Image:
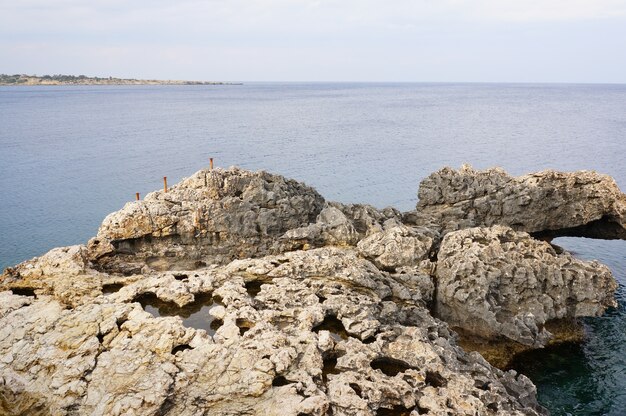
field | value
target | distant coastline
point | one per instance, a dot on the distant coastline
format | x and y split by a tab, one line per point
23	79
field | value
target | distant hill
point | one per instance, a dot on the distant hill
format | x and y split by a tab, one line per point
22	79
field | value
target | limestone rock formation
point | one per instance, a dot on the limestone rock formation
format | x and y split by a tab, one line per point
64	272
219	215
213	216
551	203
340	225
240	292
308	332
497	282
398	246
332	227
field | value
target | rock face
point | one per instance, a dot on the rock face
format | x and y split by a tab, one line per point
214	216
399	245
342	225
583	203
65	273
324	333
497	282
241	292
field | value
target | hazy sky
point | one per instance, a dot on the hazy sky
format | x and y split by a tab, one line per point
323	40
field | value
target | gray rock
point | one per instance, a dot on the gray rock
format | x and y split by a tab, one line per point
212	217
368	220
321	338
551	203
332	227
314	307
498	282
340	225
398	246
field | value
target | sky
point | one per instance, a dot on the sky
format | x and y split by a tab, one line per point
318	40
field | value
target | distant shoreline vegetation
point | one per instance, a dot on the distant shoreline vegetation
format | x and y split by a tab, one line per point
22	79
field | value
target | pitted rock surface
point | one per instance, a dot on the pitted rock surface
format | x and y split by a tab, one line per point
399	245
316	307
498	282
340	225
213	216
64	272
109	357
582	203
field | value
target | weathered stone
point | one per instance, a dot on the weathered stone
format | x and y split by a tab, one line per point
271	301
332	227
551	203
63	272
398	246
340	225
109	357
367	219
212	217
498	282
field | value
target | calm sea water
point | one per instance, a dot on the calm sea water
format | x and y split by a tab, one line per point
71	155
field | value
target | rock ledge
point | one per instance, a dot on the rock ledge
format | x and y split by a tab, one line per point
241	292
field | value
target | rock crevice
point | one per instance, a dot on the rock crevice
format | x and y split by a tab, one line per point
323	308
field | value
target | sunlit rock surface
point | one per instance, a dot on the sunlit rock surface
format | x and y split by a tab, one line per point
498	282
550	203
273	353
213	216
241	292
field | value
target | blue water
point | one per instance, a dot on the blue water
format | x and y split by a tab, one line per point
71	155
587	379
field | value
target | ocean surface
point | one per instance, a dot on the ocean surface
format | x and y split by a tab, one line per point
71	155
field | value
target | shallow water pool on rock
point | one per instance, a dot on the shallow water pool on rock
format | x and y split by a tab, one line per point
195	314
390	137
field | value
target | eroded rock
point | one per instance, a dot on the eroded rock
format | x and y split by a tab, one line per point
64	272
332	227
212	217
398	246
551	203
312	307
340	225
496	282
110	357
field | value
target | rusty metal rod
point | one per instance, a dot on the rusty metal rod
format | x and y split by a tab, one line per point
137	195
165	184
211	163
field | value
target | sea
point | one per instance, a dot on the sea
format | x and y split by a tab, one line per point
69	155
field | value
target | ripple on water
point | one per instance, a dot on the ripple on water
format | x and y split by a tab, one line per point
355	143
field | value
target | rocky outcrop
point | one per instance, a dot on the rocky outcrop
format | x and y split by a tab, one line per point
399	245
340	225
214	216
495	282
240	292
331	227
309	332
548	203
218	215
64	273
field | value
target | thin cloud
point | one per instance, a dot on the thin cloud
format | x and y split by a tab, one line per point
318	39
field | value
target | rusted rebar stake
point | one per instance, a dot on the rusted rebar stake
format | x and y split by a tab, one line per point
211	163
165	184
137	195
